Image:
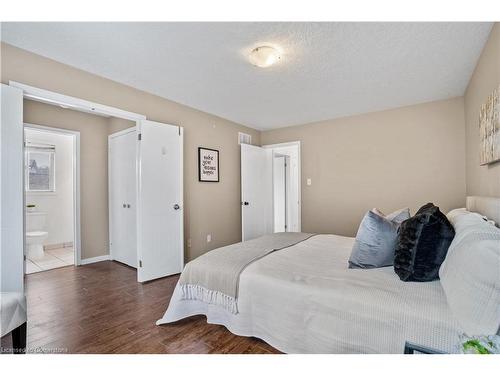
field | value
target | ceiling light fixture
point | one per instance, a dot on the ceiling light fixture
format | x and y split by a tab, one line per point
264	56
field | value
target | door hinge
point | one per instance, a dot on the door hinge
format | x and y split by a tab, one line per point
179	130
139	137
140	263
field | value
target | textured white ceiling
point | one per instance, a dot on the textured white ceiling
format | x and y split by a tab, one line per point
328	70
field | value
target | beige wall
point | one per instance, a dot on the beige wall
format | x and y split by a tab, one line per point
482	180
209	208
404	157
118	124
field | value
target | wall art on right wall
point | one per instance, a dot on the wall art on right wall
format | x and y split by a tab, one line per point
489	129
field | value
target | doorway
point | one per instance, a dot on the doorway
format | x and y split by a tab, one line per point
159	179
286	186
270	189
50	197
281	182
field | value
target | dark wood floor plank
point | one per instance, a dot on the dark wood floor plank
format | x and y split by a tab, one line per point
101	308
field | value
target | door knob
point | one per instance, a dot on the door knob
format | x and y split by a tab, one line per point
124	205
176	206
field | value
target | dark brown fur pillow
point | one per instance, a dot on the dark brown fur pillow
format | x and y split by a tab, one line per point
422	244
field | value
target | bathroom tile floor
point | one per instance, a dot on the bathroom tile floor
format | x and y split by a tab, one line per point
53	258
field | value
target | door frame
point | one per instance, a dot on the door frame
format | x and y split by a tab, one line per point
110	183
77	233
299	177
71	102
79	105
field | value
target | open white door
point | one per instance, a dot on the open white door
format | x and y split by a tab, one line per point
256	192
160	238
12	190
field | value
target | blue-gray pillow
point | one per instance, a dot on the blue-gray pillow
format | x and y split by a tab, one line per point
376	239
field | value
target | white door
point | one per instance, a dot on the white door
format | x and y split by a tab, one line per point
122	197
160	238
12	190
256	191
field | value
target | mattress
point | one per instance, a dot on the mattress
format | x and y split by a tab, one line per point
304	299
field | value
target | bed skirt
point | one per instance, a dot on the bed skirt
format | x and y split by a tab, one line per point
235	323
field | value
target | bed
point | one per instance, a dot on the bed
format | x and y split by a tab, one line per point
304	299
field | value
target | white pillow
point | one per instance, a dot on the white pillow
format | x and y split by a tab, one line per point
456	213
470	274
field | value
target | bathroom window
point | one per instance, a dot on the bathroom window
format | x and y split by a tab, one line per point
40	168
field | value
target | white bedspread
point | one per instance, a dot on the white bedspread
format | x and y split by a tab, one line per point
304	299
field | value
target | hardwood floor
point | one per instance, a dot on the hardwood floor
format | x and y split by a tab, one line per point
100	308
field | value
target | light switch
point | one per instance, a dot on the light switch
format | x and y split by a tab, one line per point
309	182
189	242
209	237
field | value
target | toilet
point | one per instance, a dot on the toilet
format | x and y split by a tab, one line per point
35	234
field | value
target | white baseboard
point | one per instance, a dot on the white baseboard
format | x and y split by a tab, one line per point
94	259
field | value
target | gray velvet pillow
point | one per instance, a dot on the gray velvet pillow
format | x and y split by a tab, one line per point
376	239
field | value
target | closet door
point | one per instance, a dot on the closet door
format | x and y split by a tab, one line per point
160	238
122	196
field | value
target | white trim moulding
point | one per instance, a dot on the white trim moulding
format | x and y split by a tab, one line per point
101	258
70	102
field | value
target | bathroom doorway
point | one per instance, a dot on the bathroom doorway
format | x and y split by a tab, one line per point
51	198
281	191
286	186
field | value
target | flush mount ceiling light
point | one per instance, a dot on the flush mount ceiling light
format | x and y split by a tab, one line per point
264	56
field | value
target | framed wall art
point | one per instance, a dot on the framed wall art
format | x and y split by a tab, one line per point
208	165
489	129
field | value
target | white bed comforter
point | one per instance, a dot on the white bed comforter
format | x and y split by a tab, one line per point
304	299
